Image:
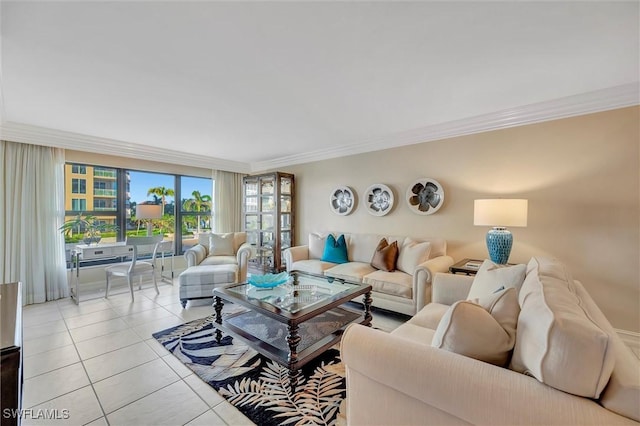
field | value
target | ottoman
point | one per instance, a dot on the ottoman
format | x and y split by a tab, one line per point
198	282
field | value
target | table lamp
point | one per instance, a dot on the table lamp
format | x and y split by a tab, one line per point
500	213
149	212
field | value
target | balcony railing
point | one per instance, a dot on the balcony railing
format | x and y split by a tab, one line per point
104	192
105	173
104	209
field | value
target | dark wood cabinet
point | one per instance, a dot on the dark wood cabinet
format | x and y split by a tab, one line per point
269	218
10	353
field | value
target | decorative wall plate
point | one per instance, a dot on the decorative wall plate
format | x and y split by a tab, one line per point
379	199
342	200
425	196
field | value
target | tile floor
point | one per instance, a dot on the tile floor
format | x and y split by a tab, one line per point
98	361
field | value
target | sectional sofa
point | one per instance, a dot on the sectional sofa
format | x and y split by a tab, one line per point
405	290
568	366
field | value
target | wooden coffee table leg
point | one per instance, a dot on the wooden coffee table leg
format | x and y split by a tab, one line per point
218	308
293	339
367	300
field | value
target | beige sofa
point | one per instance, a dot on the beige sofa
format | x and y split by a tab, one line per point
577	370
400	291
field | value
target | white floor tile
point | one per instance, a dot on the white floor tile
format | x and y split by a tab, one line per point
231	415
172	405
92	318
157	347
107	343
46	343
35	318
98	329
51	385
210	418
35	332
143	317
206	392
99	422
111	363
84	308
49	361
140	305
166	299
75	408
124	388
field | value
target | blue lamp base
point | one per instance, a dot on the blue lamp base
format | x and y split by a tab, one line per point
499	242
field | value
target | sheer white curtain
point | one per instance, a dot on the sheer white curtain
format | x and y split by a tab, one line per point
31	211
227	201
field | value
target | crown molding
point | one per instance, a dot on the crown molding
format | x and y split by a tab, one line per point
25	133
586	103
601	100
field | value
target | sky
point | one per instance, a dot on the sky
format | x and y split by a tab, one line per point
141	182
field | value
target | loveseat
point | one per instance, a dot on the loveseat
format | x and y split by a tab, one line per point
405	290
568	366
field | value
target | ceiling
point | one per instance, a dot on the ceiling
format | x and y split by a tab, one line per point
248	85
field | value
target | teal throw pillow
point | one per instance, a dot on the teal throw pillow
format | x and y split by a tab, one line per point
335	251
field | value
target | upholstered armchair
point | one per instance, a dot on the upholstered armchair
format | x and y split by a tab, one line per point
221	249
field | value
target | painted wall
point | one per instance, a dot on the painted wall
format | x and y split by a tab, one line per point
580	175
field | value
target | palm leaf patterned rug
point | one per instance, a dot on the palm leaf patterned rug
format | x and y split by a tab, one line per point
258	387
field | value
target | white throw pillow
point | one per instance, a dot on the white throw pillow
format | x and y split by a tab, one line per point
221	245
316	245
412	253
468	329
504	308
492	277
559	342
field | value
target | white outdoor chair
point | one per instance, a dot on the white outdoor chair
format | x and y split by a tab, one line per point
136	268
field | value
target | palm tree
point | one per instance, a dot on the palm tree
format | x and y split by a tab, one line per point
162	192
199	203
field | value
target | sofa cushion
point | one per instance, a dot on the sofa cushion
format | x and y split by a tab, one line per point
393	283
351	271
412	253
221	244
220	260
385	256
362	246
491	277
468	329
557	342
415	333
312	266
430	316
335	251
316	245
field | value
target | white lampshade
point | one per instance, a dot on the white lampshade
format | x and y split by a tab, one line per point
148	211
500	212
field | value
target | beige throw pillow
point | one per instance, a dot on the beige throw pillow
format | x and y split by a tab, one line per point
484	329
221	245
412	253
492	277
316	245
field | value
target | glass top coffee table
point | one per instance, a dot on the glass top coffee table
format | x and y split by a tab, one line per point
295	322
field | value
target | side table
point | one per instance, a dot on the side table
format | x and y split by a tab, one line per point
466	266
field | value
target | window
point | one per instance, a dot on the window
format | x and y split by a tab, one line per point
195	208
79	186
78	204
114	194
79	169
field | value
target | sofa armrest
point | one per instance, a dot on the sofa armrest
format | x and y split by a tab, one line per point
383	367
195	255
447	289
245	252
294	254
423	276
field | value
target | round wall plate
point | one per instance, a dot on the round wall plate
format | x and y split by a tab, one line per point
425	196
379	199
342	200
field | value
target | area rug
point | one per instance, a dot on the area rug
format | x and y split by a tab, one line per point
256	386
